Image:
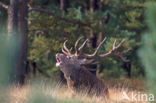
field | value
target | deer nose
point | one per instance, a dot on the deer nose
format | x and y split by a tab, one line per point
57	54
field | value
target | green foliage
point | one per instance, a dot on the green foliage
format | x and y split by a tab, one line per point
48	32
148	50
114	72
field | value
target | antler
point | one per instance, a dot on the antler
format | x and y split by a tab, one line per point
65	50
115	51
96	51
82	46
109	53
78	51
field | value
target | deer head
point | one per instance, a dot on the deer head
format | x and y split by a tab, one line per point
79	58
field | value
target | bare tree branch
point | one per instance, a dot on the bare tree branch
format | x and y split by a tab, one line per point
71	21
3	5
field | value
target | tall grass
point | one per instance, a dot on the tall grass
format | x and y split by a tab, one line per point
43	92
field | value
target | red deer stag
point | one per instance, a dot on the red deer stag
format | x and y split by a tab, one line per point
79	79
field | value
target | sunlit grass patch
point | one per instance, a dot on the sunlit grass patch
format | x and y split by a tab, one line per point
56	93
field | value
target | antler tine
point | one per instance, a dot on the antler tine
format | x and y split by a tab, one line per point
114	44
115	52
99	46
65	47
96	51
125	51
76	43
120	43
90	56
120	55
65	52
82	46
71	49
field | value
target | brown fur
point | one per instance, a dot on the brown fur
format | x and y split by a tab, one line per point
79	79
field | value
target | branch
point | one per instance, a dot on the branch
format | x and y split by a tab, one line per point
72	21
4	5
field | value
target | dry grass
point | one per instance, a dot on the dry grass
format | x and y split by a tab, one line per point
41	93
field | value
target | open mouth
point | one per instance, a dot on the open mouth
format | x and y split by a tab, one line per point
58	61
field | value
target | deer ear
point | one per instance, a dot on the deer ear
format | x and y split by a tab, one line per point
89	62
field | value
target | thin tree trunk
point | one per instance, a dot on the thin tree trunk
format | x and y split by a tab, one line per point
23	34
13	17
64	4
93	35
100	34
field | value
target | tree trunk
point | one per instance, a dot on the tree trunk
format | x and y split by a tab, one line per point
13	17
64	4
96	37
18	29
100	34
93	5
93	36
127	67
23	35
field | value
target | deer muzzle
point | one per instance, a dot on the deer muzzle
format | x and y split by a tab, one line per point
59	59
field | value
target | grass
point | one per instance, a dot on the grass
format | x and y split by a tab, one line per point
56	93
